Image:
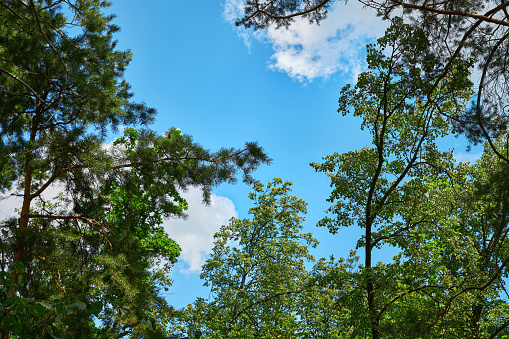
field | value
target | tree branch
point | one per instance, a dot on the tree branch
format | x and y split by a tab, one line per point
457	13
289	16
91	222
22	82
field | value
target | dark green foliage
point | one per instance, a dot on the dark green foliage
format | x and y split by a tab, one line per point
31	318
62	89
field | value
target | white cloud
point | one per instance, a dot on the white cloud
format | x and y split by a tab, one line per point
10	202
306	52
196	234
467	157
233	9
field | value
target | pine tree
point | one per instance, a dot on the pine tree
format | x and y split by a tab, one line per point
62	90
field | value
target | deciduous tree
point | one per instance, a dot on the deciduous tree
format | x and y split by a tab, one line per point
404	111
256	271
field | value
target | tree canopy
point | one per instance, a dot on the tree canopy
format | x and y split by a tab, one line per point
93	261
100	244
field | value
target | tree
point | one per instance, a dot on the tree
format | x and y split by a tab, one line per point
62	90
256	271
461	249
377	187
475	32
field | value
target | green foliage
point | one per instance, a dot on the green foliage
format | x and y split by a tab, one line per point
402	99
257	270
62	90
447	220
391	99
29	318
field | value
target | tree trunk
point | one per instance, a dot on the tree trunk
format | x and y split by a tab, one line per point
370	289
25	210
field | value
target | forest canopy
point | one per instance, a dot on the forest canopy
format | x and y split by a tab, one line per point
95	260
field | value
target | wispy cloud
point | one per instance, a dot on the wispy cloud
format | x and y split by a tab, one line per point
196	234
306	52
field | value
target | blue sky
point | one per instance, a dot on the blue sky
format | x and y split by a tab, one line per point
225	86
